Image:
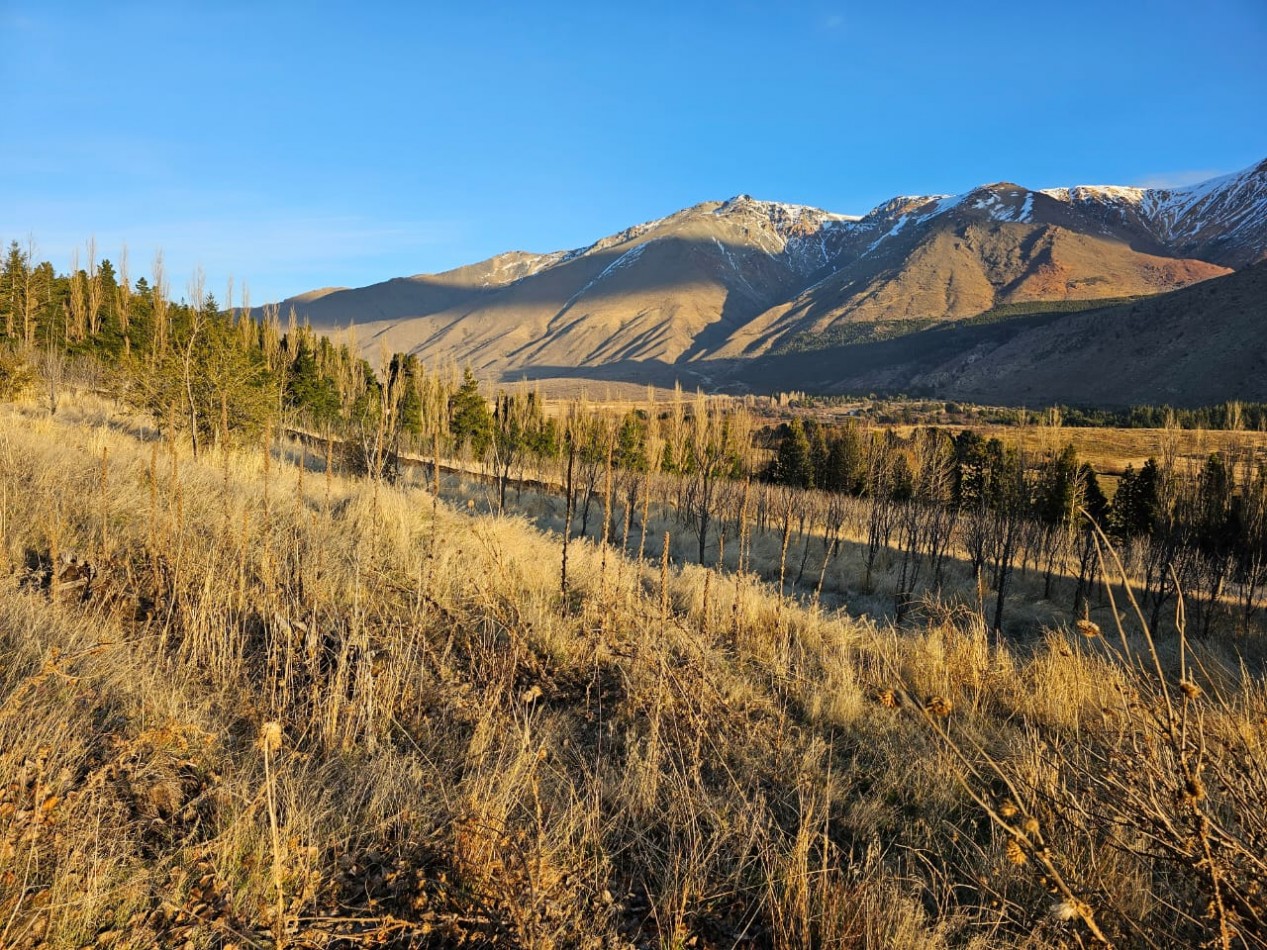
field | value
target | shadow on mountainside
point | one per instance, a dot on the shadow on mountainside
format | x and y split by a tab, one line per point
883	365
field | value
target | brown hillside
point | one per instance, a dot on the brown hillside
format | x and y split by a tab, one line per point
1200	345
1197	346
961	270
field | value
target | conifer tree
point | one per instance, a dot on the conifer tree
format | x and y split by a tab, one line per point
470	422
793	464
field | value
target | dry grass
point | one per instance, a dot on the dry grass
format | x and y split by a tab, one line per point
1109	450
288	710
616	396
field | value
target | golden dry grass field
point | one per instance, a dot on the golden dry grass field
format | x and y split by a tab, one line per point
249	703
1110	450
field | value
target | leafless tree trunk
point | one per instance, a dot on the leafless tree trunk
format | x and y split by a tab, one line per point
93	289
197	317
123	300
30	297
159	289
78	302
53	368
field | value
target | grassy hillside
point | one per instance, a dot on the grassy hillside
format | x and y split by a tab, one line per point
247	703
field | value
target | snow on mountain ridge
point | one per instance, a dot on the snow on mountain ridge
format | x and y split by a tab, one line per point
1083	193
781	210
1239	199
1219	209
1222	220
808	238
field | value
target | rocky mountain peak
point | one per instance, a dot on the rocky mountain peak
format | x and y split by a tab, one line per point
745	277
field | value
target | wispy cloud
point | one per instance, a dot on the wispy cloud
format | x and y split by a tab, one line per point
13	20
1178	179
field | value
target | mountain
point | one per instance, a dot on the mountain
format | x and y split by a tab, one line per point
1196	346
1200	345
1223	220
939	258
654	291
724	282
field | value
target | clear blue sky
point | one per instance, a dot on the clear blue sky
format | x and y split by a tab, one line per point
297	145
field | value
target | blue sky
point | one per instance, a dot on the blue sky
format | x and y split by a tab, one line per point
298	145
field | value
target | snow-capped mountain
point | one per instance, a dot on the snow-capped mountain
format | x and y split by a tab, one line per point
743	277
1223	220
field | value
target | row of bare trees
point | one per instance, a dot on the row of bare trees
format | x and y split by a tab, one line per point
911	506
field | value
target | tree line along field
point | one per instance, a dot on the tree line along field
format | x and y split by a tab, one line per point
617	689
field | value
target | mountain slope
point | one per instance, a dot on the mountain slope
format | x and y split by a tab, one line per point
654	291
743	278
948	258
1195	346
1223	220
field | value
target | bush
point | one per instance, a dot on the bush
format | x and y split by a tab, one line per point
16	375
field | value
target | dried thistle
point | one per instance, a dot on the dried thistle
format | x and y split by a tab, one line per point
1015	853
271	736
1193	790
1088	628
531	694
1190	689
1071	909
939	706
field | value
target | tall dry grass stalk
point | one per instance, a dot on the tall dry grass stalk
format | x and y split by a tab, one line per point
466	764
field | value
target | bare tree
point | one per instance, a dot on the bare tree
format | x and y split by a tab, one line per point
197	317
715	446
161	309
93	289
123	299
14	289
53	369
31	296
77	303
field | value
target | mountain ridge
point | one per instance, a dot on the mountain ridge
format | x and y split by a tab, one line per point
743	278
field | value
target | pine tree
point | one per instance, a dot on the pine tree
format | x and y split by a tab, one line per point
846	463
13	279
1093	497
308	390
1136	505
1059	493
631	444
470	422
406	377
793	465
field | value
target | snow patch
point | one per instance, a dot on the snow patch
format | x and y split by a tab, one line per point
1229	204
623	261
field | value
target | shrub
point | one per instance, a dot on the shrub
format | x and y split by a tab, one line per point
16	375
